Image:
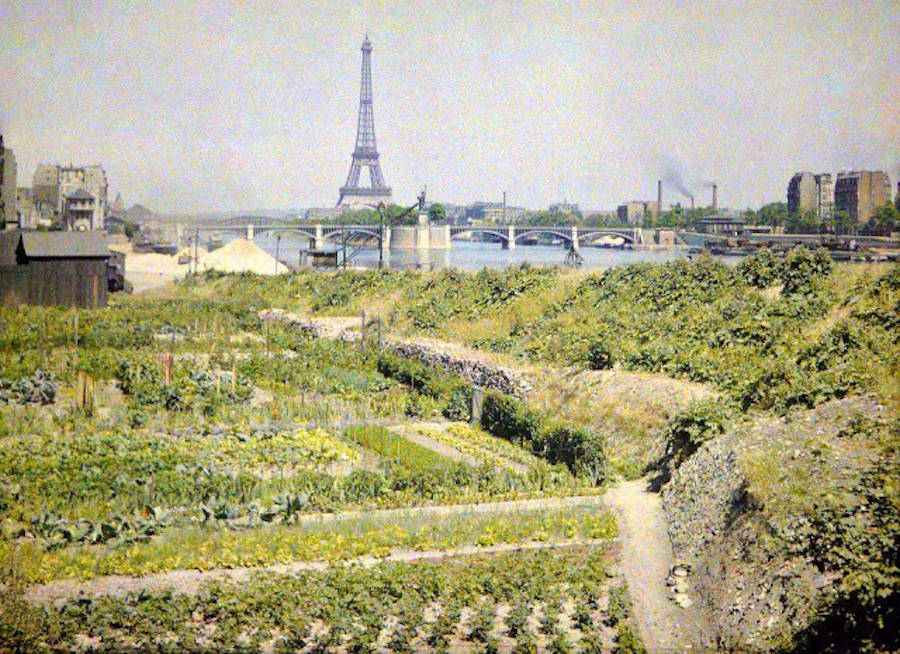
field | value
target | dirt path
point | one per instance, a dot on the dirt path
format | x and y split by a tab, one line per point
189	581
645	559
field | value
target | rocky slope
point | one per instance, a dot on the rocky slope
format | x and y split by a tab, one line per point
784	520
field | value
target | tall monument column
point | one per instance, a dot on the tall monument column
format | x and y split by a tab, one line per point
366	151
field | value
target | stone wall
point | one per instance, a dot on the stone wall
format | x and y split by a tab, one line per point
476	371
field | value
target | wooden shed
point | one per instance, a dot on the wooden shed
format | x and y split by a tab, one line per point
53	268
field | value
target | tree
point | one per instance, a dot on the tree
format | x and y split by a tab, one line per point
886	219
843	222
437	213
802	222
774	214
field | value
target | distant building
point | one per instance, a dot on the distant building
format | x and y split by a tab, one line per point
860	192
65	188
720	224
564	207
31	214
320	214
493	213
8	216
809	193
825	196
634	212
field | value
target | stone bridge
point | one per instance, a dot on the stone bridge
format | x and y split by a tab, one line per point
508	235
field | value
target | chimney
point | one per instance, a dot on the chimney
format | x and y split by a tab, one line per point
715	204
659	207
692	202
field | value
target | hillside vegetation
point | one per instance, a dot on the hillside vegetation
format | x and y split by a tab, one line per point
764	398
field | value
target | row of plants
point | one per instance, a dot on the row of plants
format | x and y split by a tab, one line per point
398	607
242	476
213	544
480	445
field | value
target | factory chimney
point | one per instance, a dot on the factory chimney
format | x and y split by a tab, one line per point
692	202
659	207
715	203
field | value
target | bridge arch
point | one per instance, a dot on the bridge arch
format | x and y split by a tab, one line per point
456	232
591	237
549	231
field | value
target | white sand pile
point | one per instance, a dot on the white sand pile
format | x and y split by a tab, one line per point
241	255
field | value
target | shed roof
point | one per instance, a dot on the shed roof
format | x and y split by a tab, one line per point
64	244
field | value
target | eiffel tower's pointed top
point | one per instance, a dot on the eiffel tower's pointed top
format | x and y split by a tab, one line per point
367	45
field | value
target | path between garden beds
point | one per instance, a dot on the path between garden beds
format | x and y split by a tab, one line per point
645	559
190	581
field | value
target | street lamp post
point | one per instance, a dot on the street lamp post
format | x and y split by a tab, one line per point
381	208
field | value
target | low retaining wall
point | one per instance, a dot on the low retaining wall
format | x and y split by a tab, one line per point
448	356
481	373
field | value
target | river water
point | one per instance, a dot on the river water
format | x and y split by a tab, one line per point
475	255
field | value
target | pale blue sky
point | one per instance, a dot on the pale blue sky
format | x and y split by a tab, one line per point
215	105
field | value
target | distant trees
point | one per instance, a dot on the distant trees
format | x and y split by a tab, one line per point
437	213
886	218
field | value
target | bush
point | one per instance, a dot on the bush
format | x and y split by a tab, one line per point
761	269
699	422
599	357
579	448
802	267
507	418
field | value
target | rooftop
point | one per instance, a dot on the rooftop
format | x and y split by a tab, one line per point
64	244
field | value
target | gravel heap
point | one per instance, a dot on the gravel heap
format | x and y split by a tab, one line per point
241	255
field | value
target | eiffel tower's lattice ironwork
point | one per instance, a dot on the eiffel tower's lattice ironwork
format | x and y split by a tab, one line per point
366	151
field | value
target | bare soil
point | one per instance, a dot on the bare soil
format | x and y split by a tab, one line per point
645	560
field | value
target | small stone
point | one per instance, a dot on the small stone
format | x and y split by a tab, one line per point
683	601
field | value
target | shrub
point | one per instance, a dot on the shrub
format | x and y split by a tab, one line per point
579	448
802	267
507	418
761	269
599	357
699	422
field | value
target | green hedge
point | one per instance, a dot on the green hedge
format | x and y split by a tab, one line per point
579	448
452	393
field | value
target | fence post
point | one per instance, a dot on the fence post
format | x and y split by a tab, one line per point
84	394
362	333
475	408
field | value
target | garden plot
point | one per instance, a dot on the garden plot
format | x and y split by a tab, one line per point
551	600
472	444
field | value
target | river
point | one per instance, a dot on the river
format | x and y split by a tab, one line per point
475	255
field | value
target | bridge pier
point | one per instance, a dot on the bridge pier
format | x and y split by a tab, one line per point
250	232
574	237
318	241
510	242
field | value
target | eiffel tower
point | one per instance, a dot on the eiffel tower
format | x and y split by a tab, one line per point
366	152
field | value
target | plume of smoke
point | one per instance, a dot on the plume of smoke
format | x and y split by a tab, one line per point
673	177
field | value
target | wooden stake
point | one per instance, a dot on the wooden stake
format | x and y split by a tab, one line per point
362	333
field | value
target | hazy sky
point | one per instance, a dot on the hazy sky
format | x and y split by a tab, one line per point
216	105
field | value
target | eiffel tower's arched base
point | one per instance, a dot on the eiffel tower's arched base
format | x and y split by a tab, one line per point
364	198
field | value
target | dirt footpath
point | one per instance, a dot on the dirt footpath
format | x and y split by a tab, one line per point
646	556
